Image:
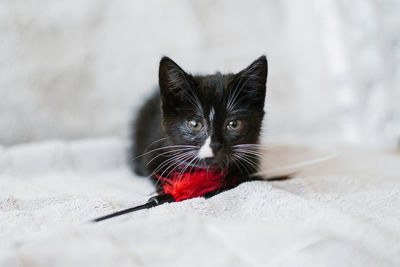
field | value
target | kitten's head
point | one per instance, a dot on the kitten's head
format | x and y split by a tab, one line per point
219	114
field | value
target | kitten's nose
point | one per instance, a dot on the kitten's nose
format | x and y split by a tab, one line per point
215	147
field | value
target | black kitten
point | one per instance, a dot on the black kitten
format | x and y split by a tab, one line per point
210	121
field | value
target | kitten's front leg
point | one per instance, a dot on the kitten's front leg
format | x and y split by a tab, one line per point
237	176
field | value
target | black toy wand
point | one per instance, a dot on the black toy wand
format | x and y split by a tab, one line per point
152	202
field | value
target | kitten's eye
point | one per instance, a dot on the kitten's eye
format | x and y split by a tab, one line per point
195	125
234	125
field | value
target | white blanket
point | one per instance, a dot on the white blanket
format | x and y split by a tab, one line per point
343	212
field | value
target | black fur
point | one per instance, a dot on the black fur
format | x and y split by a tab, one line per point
163	119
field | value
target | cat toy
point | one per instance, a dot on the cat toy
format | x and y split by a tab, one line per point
200	182
181	186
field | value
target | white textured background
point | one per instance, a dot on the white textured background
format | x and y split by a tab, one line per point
73	69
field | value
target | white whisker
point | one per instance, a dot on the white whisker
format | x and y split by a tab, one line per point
168	161
184	159
234	162
242	164
174	151
159	140
290	167
250	161
264	147
249	152
165	147
172	162
187	165
176	162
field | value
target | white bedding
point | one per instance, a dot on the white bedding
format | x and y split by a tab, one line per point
343	212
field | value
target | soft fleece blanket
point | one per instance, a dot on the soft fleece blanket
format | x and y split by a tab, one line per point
342	212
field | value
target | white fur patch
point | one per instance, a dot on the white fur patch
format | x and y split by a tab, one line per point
212	115
205	150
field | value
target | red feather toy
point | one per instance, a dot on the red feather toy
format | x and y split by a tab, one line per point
193	184
180	186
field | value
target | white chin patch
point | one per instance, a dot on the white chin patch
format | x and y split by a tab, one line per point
205	150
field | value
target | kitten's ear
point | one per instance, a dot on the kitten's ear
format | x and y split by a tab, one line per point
173	81
252	81
258	70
